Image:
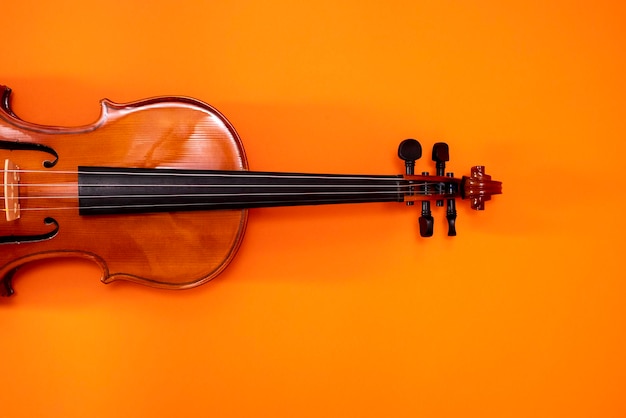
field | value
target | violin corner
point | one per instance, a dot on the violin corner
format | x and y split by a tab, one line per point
5	99
6	283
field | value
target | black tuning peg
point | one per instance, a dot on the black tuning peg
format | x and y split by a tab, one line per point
441	154
426	221
451	214
451	217
409	150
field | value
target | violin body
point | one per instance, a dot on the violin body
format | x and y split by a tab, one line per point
157	191
167	249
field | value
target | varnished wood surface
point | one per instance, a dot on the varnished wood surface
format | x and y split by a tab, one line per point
128	231
176	250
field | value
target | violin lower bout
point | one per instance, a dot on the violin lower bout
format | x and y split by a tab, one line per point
174	250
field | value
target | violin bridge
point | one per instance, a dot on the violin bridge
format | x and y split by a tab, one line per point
11	190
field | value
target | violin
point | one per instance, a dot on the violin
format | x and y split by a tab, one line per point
173	167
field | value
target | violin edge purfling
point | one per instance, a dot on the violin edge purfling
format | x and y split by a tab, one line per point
173	164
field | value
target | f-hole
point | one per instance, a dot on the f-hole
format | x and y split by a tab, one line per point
20	239
29	146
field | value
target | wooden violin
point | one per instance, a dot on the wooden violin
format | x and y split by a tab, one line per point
174	167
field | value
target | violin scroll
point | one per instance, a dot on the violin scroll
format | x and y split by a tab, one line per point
479	187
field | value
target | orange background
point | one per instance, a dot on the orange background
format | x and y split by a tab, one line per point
344	311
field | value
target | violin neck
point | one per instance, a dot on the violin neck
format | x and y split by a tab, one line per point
107	190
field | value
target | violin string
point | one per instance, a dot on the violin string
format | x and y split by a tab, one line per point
177	195
170	206
396	188
392	179
229	195
215	173
57	185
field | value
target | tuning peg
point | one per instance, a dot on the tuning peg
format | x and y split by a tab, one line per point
426	221
409	150
426	226
451	214
441	154
451	217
